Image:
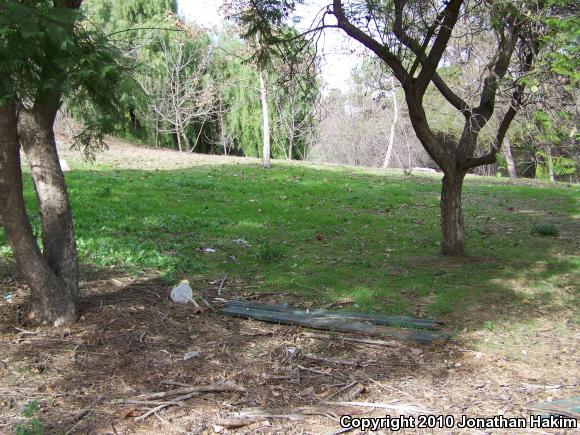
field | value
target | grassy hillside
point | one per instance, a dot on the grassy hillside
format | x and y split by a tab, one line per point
332	236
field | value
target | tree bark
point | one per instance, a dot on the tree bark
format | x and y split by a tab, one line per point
178	134
507	152
265	122
452	214
223	133
58	237
387	160
550	165
52	298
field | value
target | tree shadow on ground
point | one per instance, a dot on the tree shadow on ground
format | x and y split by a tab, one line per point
131	338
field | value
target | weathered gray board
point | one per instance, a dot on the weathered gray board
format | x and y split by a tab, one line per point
569	407
377	319
330	323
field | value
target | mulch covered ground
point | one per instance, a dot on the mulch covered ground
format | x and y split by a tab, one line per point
131	341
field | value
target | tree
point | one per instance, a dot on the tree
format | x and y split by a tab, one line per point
412	38
139	28
283	63
142	28
295	93
547	127
181	96
51	55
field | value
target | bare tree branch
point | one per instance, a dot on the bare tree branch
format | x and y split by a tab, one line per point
372	44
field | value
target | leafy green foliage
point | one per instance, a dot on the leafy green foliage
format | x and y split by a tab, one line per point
130	24
564	35
25	42
546	131
292	99
47	54
561	166
564	166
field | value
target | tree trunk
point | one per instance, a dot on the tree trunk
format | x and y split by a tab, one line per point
223	133
550	167
52	299
186	141
387	161
58	238
265	122
178	134
452	214
156	132
507	153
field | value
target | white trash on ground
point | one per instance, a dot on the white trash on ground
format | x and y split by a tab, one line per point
190	355
182	294
243	243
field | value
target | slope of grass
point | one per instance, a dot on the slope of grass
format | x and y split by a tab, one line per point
328	235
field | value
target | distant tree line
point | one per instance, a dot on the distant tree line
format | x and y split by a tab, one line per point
356	124
196	90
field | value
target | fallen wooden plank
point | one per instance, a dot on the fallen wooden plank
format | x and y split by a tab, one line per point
377	319
569	407
329	323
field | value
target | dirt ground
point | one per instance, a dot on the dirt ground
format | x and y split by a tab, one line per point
121	154
131	341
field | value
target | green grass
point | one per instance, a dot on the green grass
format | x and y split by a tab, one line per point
545	230
325	235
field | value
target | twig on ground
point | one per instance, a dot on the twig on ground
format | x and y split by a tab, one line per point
331	360
174	402
193	389
25	332
402	408
234	423
385	387
219	292
344	430
351	339
320	372
140	402
179	384
290	414
336	393
207	304
84	412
